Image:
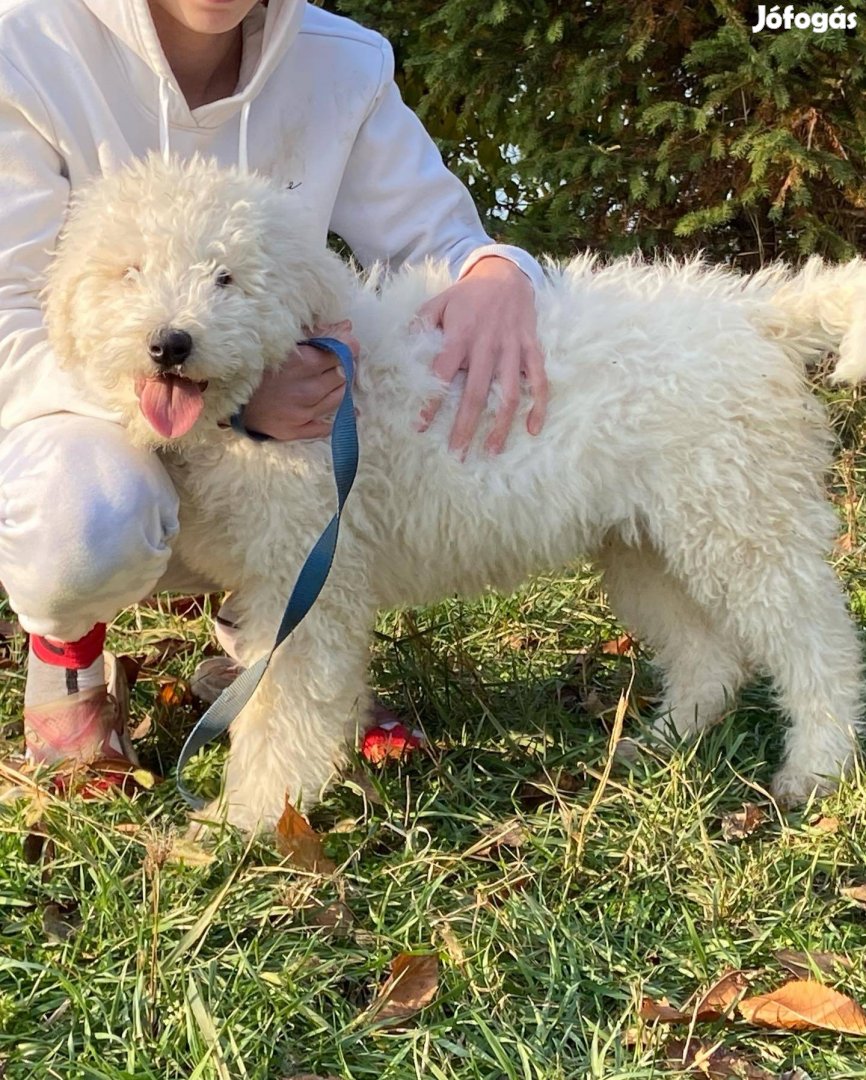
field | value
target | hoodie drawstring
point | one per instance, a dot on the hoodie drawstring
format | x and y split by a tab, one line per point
164	147
164	135
243	152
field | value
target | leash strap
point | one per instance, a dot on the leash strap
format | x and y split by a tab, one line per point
309	583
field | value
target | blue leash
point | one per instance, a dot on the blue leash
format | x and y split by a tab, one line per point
314	573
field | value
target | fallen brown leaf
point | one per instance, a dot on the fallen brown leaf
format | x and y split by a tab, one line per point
141	729
453	946
738	824
412	984
359	779
844	544
510	834
857	893
722	996
550	787
621	646
60	922
714	1062
173	693
825	824
804	1005
300	843
803	964
662	1011
713	1004
335	920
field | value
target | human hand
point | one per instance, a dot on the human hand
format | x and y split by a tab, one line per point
489	323
299	399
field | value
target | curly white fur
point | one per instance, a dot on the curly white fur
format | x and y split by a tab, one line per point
682	450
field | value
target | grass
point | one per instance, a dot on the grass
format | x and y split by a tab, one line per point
116	961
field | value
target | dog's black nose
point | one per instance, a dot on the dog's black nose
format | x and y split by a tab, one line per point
169	347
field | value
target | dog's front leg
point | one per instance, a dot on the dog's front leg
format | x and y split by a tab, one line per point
291	738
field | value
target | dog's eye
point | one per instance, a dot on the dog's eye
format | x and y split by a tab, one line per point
131	273
223	279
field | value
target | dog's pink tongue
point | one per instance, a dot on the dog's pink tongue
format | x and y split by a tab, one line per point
171	404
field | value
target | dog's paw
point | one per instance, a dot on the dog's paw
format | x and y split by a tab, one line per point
793	786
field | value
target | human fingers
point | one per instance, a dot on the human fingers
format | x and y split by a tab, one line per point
315	429
508	376
539	388
445	366
473	399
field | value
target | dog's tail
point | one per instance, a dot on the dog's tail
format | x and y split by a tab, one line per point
821	309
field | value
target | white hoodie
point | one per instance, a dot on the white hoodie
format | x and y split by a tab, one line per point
85	86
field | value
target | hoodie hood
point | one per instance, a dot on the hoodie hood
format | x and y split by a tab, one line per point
269	32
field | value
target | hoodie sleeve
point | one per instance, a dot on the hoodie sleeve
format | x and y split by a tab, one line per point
398	203
33	198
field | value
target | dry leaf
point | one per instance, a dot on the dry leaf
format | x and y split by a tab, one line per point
173	693
455	949
825	824
336	919
412	984
804	1005
722	996
802	964
60	922
844	544
857	893
713	1004
300	843
546	787
141	729
738	824
714	1062
621	646
510	834
662	1011
359	779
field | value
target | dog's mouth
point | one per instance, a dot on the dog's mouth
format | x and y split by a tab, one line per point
171	403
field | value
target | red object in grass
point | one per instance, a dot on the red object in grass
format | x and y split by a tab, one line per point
390	739
102	777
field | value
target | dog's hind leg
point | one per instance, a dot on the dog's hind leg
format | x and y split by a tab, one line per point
795	624
700	663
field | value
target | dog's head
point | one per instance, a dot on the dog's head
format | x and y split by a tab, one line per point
176	286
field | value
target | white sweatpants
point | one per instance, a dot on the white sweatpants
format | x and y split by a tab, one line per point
86	524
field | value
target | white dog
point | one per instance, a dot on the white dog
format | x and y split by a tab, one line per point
682	451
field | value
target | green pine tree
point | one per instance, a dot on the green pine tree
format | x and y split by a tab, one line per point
655	124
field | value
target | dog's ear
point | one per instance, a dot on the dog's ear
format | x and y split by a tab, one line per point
65	275
309	280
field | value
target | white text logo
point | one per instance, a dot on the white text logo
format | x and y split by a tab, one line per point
786	18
